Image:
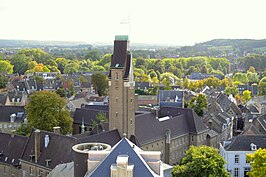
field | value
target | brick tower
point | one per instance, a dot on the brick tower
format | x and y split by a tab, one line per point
122	89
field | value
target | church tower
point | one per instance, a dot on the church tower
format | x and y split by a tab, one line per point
122	89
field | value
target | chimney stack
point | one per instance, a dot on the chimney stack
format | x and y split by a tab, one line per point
167	145
37	142
57	130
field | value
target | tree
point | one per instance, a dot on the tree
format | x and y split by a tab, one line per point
262	86
100	118
61	92
201	161
46	110
258	163
231	90
93	55
251	69
3	81
72	67
100	83
20	63
246	95
6	67
198	104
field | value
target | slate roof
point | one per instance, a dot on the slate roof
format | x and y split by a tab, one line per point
142	85
182	121
121	57
171	98
109	137
59	149
123	147
251	130
242	142
11	147
7	111
16	96
87	115
3	98
63	170
262	121
201	76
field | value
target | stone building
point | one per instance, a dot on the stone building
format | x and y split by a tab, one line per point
170	130
11	148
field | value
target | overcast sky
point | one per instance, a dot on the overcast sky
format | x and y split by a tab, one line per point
180	22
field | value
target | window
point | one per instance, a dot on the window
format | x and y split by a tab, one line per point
116	76
192	138
116	99
31	171
131	99
116	114
236	158
40	172
236	172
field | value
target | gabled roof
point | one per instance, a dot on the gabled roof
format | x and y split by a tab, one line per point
242	142
87	115
124	147
7	111
181	121
11	148
109	137
59	149
262	121
252	130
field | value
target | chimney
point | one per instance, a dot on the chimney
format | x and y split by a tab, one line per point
13	133
57	130
167	145
37	143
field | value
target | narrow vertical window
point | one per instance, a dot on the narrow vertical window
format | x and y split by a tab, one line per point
116	114
236	159
116	76
236	172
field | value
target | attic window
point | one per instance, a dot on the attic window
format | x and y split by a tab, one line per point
32	158
117	65
47	162
6	159
253	147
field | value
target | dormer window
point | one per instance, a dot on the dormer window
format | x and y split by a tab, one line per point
116	76
253	147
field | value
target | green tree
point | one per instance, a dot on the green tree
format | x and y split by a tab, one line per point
231	90
20	62
262	86
93	55
3	81
246	95
100	83
198	103
46	110
201	161
72	67
61	92
6	67
258	163
251	69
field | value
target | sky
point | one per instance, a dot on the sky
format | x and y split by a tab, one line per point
173	22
